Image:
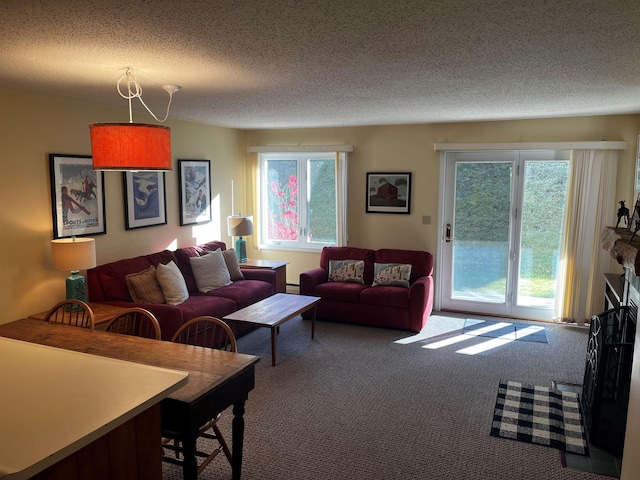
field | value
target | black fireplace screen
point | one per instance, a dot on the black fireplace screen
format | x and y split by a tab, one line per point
607	379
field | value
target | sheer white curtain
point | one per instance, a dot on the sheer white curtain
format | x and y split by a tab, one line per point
591	207
341	195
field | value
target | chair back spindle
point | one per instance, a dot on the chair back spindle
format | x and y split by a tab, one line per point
207	331
71	312
136	321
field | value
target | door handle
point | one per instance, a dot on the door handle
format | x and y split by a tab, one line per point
447	235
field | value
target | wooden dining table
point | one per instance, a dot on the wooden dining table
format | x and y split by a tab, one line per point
217	379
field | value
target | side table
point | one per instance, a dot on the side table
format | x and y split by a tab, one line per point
279	267
102	313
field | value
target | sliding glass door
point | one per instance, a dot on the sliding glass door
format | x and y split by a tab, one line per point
503	228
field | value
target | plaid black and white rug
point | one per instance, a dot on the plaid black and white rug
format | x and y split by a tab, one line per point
541	415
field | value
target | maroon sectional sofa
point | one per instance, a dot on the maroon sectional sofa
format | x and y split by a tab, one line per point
107	284
383	306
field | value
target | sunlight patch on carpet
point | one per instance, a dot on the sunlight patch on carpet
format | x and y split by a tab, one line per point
436	326
465	336
515	331
501	333
501	340
442	331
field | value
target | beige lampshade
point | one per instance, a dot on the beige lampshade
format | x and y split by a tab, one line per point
71	254
240	225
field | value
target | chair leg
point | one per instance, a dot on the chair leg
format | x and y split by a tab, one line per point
223	443
205	432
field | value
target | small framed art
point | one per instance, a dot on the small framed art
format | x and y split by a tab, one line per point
77	196
388	192
145	201
194	177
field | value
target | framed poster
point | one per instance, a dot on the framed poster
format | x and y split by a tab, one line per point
388	192
194	177
145	201
77	196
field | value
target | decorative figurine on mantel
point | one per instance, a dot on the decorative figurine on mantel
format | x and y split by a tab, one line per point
623	212
634	222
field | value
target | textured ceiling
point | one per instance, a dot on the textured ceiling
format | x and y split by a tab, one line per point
299	63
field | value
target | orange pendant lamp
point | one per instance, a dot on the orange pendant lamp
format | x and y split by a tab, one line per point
132	146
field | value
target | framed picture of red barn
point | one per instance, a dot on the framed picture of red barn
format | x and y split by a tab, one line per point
388	192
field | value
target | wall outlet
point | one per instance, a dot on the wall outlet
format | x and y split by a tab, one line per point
426	219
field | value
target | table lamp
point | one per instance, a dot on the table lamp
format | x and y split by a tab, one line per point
74	254
239	226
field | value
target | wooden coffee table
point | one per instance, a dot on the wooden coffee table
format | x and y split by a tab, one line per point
274	311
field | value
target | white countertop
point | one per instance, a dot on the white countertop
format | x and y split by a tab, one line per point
54	402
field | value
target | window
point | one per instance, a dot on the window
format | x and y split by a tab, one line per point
302	200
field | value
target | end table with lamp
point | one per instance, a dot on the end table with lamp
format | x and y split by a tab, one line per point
239	226
74	254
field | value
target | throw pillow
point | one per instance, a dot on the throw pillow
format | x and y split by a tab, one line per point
170	278
210	271
233	266
144	287
346	271
393	274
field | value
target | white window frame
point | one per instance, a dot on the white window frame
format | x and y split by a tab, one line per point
307	152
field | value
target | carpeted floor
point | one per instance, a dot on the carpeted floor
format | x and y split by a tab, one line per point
363	403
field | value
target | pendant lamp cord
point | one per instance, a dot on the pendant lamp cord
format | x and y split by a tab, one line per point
136	92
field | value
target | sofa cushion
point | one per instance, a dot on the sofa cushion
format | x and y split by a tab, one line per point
231	259
340	291
113	287
385	296
213	245
392	274
210	271
183	255
206	304
421	261
144	286
182	260
172	283
109	279
244	292
346	271
350	253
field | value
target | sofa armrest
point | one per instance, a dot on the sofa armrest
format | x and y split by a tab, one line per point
169	316
263	274
420	302
311	278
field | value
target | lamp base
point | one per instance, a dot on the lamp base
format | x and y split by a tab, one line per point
77	287
241	250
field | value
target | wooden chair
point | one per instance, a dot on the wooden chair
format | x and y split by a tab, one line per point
209	332
206	331
71	312
135	321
